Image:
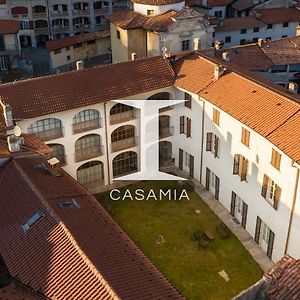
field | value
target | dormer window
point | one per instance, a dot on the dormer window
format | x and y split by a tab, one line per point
32	220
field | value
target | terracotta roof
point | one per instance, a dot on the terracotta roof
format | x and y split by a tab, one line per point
231	24
157	2
127	19
279	15
72	40
14	292
73	252
210	3
284	280
161	23
9	26
31	98
242	4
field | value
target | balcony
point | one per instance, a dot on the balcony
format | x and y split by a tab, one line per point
123	144
43	30
122	117
166	132
40	15
20	16
60	29
59	14
82	27
88	153
80	12
101	11
167	108
51	134
86	126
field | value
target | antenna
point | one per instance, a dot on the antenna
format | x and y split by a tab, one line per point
17	131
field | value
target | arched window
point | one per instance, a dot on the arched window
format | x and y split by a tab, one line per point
47	129
41	24
87	147
165	153
121	113
19	10
58	151
91	173
125	163
160	96
123	137
86	120
164	126
39	9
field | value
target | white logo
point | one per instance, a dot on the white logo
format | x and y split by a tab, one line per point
149	139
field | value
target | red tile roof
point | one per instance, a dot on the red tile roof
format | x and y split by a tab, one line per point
9	26
127	19
210	3
72	40
31	98
242	4
15	292
279	15
70	253
157	2
231	24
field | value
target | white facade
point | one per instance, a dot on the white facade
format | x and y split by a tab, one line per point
157	9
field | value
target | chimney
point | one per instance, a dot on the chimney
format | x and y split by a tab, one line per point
53	167
218	45
298	30
226	56
79	65
219	71
14	143
7	111
260	42
293	88
197	44
133	56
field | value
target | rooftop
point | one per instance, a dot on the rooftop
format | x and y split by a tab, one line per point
210	3
279	15
9	26
157	2
69	252
231	24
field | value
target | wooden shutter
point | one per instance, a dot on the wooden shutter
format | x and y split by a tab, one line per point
216	116
270	244
181	125
245	137
192	166
236	164
207	179
276	158
209	141
233	202
257	230
244	214
244	169
265	186
217	188
216	146
188	98
277	196
180	159
188	129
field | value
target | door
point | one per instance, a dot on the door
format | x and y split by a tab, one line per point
191	166
207	179
264	236
180	159
217	187
239	209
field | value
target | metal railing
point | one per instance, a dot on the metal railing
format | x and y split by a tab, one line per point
87	125
123	144
51	134
77	12
60	28
88	153
43	30
122	117
41	15
166	132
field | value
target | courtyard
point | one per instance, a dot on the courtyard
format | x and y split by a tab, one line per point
164	230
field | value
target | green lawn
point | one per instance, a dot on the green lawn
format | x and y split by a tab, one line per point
191	269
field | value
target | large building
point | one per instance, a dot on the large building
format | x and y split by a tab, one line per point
237	134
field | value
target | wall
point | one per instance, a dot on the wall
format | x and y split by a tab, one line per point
119	47
137	43
158	9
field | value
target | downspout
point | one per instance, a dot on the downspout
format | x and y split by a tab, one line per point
202	141
106	138
292	211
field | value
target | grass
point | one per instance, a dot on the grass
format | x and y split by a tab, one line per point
191	269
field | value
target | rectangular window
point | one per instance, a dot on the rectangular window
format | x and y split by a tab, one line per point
228	39
188	127
242	42
212	144
57	51
245	137
219	14
118	35
185	126
187	159
188	100
150	12
216	116
275	160
269	26
256	29
68	57
185	45
285	24
255	40
243	31
240	166
270	191
181	125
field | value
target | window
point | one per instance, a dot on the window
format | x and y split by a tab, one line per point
212	143
91	42
87	147
219	14
264	236
185	126
46	129
118	35
216	117
58	151
285	24
78	45
55	7
240	166
72	203
242	41
245	137
121	112
68	48
256	29
269	38
69	57
294	68
275	160
125	163
255	40
270	191
243	31
185	45
150	12
228	39
269	26
90	173
122	133
57	51
32	220
86	120
186	159
188	100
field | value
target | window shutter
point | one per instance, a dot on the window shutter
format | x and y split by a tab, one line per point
188	98
270	244
276	158
207	179
191	166
257	230
188	130
244	214
180	159
277	196
181	124
217	188
232	205
209	141
216	146
236	164
265	186
244	169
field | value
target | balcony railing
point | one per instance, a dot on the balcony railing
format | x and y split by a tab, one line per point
59	29
83	12
57	14
17	16
82	26
41	15
123	144
122	117
88	153
43	30
166	132
87	125
51	134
